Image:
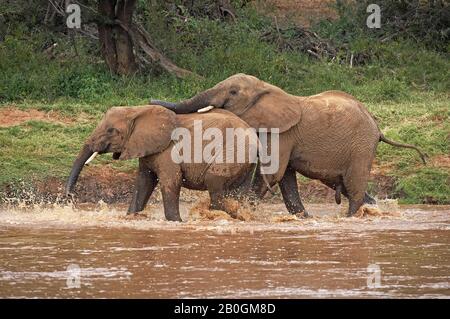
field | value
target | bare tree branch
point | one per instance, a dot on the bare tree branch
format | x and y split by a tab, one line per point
142	38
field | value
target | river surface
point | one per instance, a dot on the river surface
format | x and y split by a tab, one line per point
67	252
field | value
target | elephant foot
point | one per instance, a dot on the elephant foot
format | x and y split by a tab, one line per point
173	217
354	207
302	214
135	216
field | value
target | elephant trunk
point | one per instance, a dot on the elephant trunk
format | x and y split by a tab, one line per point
201	100
77	166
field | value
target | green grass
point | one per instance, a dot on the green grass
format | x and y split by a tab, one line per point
430	184
404	85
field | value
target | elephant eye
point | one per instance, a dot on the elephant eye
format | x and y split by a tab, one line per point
233	92
110	130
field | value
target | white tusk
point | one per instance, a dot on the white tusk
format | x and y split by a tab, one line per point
90	159
205	109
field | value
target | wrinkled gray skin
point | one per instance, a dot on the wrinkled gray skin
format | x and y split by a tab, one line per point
329	136
145	133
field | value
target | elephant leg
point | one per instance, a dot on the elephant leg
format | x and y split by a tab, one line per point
170	179
171	200
221	195
258	187
355	182
289	191
221	201
215	186
216	201
284	154
145	184
369	199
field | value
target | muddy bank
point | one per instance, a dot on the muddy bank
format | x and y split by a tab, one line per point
11	116
104	183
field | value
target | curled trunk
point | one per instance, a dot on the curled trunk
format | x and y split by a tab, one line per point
191	105
77	166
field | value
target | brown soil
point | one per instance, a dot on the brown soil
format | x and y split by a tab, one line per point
301	12
442	161
11	116
96	183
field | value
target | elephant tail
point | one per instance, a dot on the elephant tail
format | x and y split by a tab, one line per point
423	156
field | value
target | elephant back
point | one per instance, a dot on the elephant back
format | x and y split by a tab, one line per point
225	123
216	118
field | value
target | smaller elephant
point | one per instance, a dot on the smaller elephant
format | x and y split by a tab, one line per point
146	133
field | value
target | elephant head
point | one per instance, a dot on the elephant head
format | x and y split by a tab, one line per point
260	104
127	132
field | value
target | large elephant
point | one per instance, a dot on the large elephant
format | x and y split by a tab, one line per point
147	133
329	136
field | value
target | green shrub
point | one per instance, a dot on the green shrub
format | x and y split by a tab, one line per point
423	22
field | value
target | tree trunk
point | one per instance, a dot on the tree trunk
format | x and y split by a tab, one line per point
116	45
118	37
106	33
126	63
141	39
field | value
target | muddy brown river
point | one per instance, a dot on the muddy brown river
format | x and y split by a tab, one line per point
68	252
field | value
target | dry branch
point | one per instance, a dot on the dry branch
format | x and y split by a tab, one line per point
106	20
141	38
299	39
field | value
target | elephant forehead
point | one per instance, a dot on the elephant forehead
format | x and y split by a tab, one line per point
119	112
241	78
127	111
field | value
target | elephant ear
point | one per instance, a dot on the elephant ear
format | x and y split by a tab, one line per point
272	108
148	132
